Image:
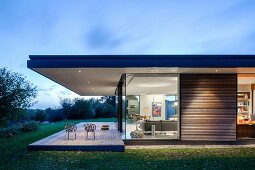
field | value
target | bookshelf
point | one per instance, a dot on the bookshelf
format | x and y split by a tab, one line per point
243	105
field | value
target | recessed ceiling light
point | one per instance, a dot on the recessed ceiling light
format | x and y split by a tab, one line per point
79	71
216	70
92	88
88	82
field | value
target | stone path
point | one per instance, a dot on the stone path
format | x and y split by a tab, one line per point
186	146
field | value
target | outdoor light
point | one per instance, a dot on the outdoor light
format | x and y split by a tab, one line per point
88	82
79	71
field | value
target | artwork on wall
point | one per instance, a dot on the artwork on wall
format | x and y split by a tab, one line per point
132	109
156	109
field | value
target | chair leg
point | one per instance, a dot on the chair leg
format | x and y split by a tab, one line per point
74	134
68	135
94	135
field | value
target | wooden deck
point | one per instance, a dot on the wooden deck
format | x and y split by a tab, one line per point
106	140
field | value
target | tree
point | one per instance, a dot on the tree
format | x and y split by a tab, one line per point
109	106
16	94
83	109
109	99
54	114
40	115
67	107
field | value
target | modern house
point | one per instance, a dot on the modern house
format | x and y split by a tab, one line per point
165	97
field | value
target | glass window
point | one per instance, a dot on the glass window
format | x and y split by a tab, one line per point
245	99
152	106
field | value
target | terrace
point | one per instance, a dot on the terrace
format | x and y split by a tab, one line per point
105	140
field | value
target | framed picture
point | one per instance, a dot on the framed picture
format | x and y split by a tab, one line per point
156	109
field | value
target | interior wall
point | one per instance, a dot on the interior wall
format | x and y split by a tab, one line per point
244	87
135	109
146	105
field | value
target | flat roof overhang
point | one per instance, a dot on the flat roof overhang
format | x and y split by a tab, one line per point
96	75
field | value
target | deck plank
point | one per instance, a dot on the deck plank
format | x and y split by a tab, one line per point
106	140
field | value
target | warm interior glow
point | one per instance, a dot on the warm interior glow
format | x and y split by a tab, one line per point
245	99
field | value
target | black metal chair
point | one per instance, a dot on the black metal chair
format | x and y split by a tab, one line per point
69	127
89	127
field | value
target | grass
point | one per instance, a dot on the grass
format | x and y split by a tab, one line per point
13	155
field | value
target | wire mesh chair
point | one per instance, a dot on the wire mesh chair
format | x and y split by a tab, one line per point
89	127
69	127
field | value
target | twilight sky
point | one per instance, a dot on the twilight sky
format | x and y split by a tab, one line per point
119	27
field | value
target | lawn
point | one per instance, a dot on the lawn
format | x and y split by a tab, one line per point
13	155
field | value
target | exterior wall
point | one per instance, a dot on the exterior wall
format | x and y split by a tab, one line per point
208	107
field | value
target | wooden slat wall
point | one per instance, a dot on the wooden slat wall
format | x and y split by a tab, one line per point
208	107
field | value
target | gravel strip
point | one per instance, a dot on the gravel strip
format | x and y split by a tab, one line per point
185	146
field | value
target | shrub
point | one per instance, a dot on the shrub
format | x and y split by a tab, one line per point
10	131
30	126
16	129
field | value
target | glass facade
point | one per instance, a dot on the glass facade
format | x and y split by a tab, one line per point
150	106
245	99
246	106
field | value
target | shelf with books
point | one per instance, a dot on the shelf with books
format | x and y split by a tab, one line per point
243	107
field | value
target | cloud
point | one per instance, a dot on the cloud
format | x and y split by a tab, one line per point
54	86
66	93
99	37
45	89
46	94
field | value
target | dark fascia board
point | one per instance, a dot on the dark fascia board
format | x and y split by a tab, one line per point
122	61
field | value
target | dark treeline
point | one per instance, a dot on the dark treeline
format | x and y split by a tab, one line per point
77	108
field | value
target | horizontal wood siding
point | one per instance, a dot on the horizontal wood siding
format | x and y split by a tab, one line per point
246	131
208	107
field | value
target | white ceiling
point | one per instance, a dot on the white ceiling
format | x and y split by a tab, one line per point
152	85
246	80
103	81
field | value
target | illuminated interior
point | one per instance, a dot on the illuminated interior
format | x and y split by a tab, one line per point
246	99
151	102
